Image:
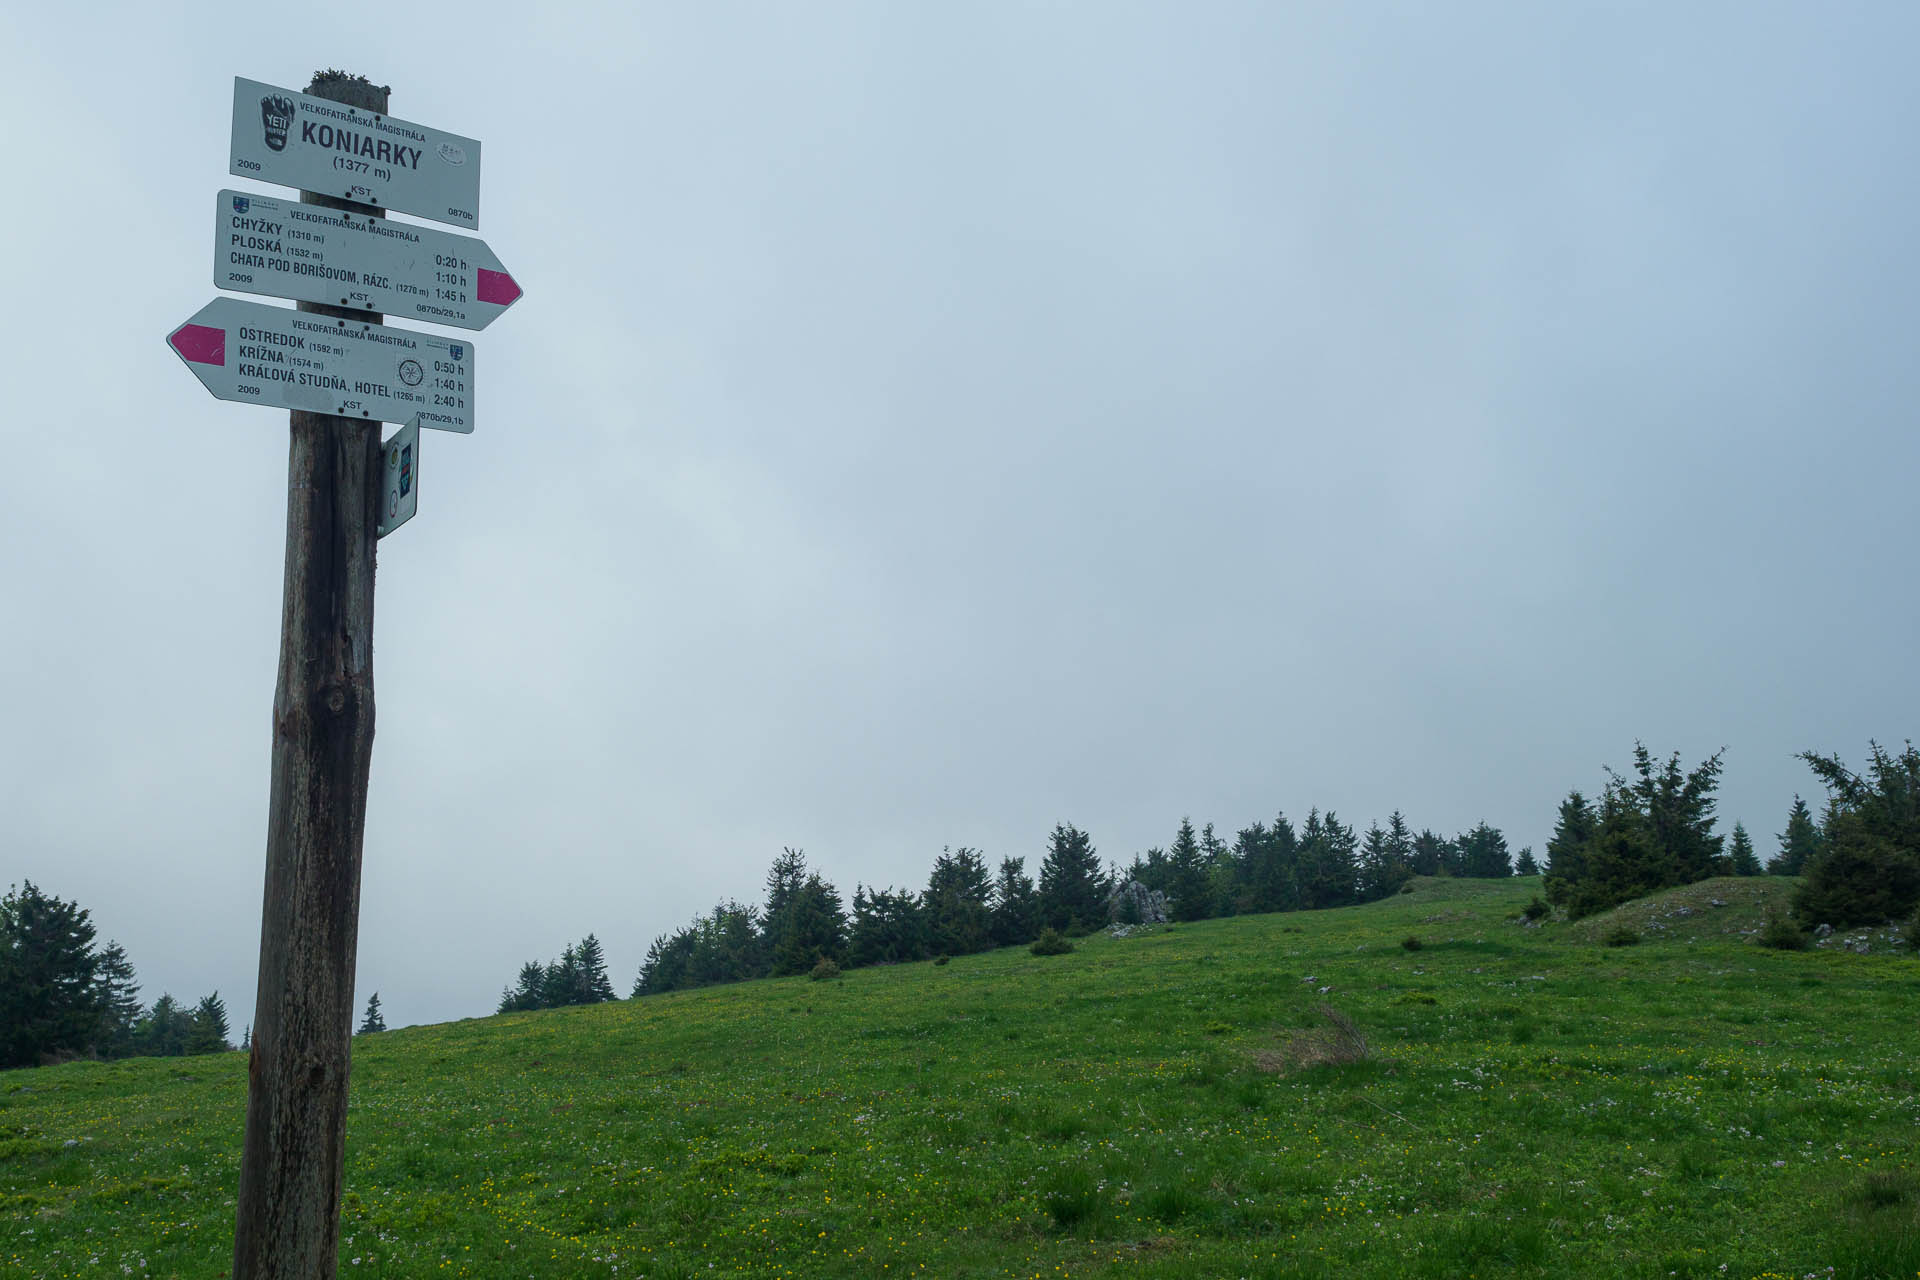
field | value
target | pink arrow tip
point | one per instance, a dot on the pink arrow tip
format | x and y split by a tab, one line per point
496	286
199	343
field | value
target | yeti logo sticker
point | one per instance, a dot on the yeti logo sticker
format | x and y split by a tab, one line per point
276	118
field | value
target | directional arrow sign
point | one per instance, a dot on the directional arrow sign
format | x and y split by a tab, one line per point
399	478
257	354
302	141
285	249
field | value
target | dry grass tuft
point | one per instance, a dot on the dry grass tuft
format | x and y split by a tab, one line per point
1338	1043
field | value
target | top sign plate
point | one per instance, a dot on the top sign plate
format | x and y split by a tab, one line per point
317	145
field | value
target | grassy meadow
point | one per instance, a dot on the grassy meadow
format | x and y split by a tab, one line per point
1175	1103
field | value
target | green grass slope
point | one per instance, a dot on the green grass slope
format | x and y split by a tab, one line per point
1732	908
1173	1104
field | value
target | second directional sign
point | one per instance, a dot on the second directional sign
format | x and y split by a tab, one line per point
285	249
257	354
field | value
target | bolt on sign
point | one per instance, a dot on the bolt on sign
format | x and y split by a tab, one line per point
336	150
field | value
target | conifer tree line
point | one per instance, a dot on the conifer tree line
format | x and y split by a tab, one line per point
1654	829
969	905
63	997
579	976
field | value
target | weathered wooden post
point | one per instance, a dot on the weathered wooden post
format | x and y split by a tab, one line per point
342	373
291	1167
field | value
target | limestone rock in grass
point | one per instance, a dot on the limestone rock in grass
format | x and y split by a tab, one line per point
1133	903
1823	931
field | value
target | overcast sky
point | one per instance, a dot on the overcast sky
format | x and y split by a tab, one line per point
926	424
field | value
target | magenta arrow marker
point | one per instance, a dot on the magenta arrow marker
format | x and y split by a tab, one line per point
495	287
199	343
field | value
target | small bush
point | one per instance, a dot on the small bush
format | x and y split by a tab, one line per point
1622	936
824	970
941	959
1411	943
1537	908
1782	934
1050	943
1407	887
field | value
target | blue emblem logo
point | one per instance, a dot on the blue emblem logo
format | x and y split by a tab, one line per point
456	351
241	204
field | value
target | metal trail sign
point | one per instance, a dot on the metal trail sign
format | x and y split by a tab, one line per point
257	354
285	249
354	154
399	478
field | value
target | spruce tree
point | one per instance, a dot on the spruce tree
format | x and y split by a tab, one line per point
1329	863
1799	843
958	903
1740	853
887	926
1190	891
1482	853
1623	860
207	1027
529	991
665	968
1430	854
1567	847
1654	831
1399	840
1524	863
373	1022
591	981
1868	869
1073	885
51	1001
1016	905
560	981
784	881
1219	863
1248	846
162	1032
815	928
1276	885
119	1002
1678	807
1382	871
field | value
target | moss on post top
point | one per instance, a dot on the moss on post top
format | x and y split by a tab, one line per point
349	90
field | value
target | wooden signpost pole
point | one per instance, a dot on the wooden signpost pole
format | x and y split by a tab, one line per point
294	1157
